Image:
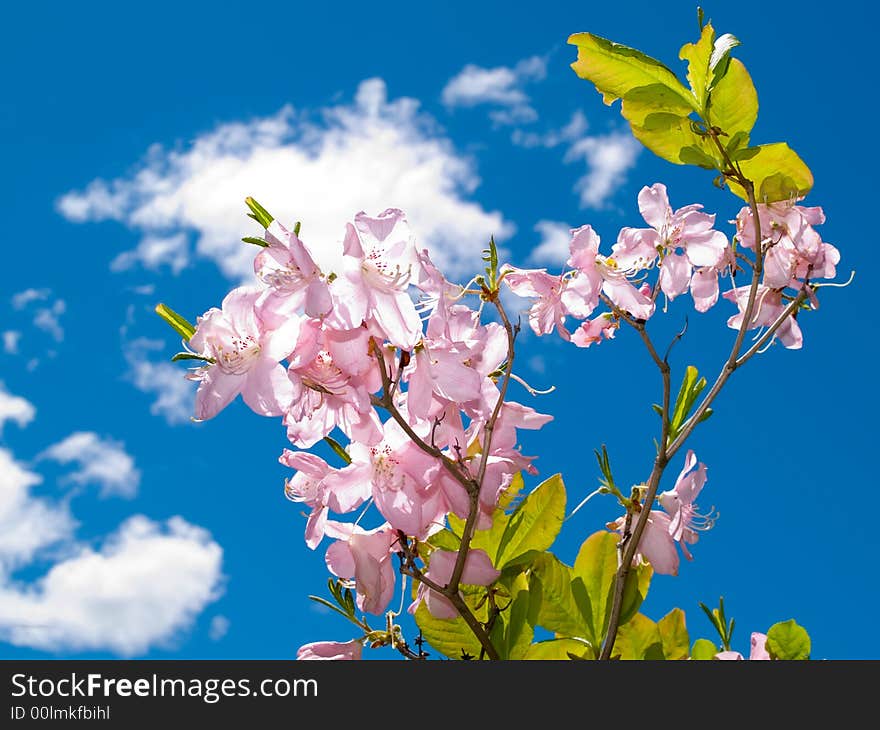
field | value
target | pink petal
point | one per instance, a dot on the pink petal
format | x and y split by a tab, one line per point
216	391
267	389
654	205
675	275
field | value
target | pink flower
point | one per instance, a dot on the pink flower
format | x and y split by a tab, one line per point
326	650
767	309
244	358
307	486
478	571
364	555
685	241
794	249
679	523
332	376
758	650
400	477
593	331
557	296
286	266
597	271
380	262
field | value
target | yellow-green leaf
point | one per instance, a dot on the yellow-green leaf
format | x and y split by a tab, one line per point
534	524
638	581
698	56
617	70
733	103
674	635
788	640
552	603
777	172
176	321
703	650
667	135
560	649
638	639
512	634
593	581
451	637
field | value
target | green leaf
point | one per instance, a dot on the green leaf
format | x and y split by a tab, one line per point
255	241
553	606
258	212
617	70
788	640
638	580
560	649
534	524
733	103
190	356
667	135
698	56
691	387
487	540
638	639
512	634
445	540
177	322
703	650
593	582
337	449
674	635
450	637
777	172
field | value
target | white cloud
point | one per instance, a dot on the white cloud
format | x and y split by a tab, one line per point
152	252
609	157
571	132
147	583
175	395
11	339
48	319
23	298
553	248
219	628
320	168
100	461
15	408
501	86
27	524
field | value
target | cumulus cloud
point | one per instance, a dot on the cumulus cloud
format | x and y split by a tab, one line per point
144	585
553	248
27	523
174	394
501	87
141	588
100	461
14	408
608	157
320	168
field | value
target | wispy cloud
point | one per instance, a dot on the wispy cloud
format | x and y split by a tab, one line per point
175	396
219	628
21	299
100	461
11	338
608	157
553	247
501	87
320	167
48	319
153	252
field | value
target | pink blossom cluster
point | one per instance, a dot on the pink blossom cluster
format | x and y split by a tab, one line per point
385	335
690	256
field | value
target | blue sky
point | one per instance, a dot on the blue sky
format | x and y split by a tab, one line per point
130	136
